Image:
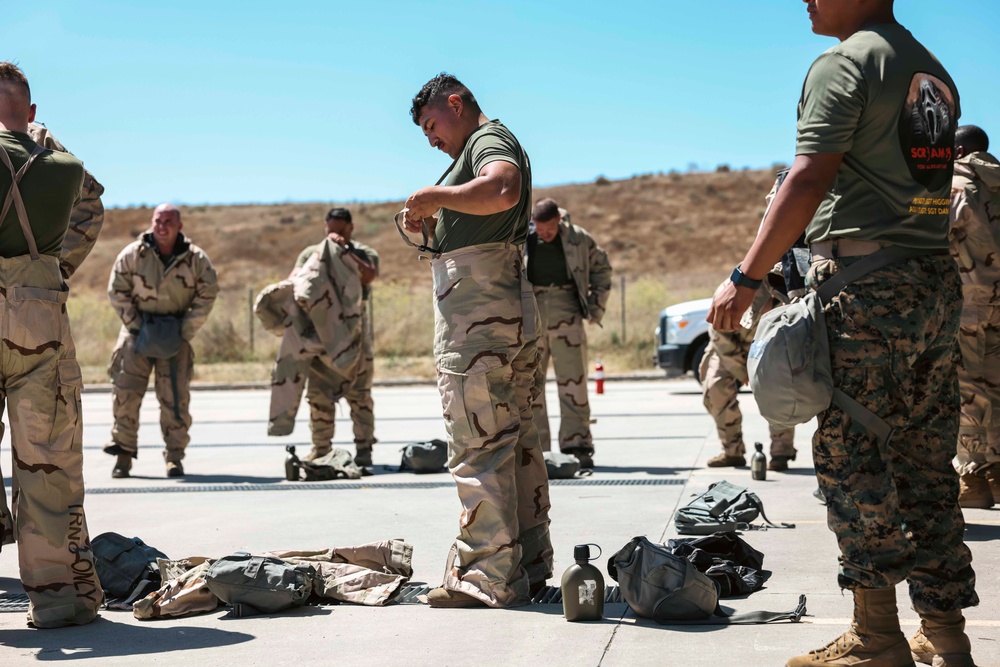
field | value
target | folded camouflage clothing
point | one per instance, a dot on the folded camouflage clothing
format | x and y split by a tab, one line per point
370	574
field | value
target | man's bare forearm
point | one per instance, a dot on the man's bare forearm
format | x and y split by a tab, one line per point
793	208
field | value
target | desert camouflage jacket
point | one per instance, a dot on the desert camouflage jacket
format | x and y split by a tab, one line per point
140	283
975	227
588	266
320	307
88	216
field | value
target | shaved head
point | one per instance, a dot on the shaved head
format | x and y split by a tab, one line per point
167	208
971	139
16	109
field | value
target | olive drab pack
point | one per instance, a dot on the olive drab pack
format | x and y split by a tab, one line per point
126	566
259	584
669	589
789	361
424	457
562	466
159	336
724	506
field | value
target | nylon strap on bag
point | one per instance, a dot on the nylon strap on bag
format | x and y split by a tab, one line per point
834	286
719	617
14	196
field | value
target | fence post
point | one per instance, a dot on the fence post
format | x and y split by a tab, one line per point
250	316
624	340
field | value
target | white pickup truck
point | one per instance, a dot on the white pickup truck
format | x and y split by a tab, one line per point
682	337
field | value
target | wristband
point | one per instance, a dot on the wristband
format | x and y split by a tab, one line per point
740	279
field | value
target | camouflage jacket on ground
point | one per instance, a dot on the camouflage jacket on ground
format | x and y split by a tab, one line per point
88	216
588	266
975	227
320	306
140	283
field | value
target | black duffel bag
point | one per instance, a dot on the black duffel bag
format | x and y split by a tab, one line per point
669	589
126	566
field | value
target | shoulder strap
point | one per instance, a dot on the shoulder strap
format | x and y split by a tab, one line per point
14	196
864	266
719	617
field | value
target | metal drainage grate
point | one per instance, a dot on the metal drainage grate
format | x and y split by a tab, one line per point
344	486
14	602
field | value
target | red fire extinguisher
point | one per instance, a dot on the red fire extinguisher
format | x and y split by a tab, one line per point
599	376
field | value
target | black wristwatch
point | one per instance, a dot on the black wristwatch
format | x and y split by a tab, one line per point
740	279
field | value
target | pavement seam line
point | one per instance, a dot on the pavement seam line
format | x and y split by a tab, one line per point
614	633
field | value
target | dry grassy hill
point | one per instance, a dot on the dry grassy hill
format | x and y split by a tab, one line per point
673	236
649	224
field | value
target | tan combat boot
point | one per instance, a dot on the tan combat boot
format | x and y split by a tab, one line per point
873	640
941	640
993	477
316	453
974	492
723	460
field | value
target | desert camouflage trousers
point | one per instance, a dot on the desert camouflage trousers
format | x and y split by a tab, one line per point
894	506
723	370
563	339
129	373
485	324
979	385
40	382
325	388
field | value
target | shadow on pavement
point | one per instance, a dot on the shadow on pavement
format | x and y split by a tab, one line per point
105	638
809	472
228	479
975	532
645	469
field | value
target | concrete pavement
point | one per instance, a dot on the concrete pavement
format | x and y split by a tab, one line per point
652	438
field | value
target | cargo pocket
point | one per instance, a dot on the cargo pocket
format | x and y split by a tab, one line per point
66	432
34	322
479	406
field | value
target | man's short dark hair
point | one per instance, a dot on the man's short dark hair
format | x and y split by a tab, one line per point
545	210
11	73
338	213
440	88
972	139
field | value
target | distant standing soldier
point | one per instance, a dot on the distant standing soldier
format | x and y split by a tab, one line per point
975	245
321	395
723	370
166	285
485	326
571	276
88	216
40	378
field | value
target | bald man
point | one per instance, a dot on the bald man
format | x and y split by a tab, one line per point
163	287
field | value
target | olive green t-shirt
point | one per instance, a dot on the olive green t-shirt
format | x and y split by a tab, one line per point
50	188
886	102
548	262
365	252
491	142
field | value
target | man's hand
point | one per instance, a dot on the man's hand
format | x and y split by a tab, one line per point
423	203
728	306
367	269
338	239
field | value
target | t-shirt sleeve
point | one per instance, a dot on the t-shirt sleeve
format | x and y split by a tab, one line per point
492	147
833	98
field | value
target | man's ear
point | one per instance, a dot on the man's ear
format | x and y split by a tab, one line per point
456	104
31	113
959	152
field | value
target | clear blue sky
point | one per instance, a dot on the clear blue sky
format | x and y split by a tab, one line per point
223	102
